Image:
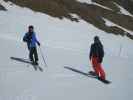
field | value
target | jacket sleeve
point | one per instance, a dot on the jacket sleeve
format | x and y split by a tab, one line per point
101	55
36	40
102	51
90	52
25	38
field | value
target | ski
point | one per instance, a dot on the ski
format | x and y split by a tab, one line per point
102	80
88	75
22	60
37	67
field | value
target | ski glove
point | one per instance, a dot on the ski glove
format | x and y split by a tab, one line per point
38	43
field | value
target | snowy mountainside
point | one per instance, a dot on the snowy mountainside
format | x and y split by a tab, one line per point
52	31
91	11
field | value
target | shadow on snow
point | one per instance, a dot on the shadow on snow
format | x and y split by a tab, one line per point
22	60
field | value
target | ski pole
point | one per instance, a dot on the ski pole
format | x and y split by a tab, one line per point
43	56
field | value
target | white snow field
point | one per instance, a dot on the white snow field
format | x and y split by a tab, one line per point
64	43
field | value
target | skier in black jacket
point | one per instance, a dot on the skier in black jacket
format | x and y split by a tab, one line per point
96	57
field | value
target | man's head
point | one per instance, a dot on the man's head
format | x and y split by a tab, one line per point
31	29
96	39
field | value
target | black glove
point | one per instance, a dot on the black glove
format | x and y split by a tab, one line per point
38	43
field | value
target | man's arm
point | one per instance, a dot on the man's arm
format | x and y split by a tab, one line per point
25	38
36	40
90	52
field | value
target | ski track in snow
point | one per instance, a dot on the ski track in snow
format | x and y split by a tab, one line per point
64	43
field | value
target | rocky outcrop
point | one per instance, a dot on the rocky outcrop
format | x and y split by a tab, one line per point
2	8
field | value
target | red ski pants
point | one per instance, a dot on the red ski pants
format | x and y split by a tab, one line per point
98	68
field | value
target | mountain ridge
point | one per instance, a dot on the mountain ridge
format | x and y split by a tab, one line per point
90	13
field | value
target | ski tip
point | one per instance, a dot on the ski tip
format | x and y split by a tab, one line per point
104	81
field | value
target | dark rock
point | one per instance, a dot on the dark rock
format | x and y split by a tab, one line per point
2	8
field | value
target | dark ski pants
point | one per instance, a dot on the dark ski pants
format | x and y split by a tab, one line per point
33	54
28	45
98	68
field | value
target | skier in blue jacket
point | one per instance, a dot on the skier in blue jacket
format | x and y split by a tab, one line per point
31	40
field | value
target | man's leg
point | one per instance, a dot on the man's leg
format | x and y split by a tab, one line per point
95	65
31	54
28	45
36	55
102	73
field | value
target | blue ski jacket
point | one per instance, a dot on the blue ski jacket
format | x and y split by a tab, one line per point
31	39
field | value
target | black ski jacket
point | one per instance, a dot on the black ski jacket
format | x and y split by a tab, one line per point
97	51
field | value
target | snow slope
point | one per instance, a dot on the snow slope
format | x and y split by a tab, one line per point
64	43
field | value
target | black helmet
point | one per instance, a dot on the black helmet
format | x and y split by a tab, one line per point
96	39
31	26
